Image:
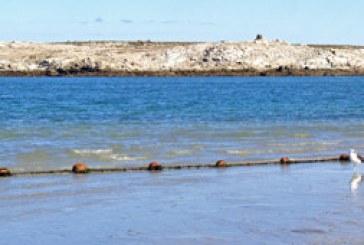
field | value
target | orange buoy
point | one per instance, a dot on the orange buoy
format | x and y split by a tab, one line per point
285	160
154	166
344	157
79	168
4	172
220	164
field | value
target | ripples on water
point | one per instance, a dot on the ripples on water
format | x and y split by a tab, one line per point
305	204
53	122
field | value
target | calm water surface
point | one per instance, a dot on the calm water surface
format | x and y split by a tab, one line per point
54	122
305	204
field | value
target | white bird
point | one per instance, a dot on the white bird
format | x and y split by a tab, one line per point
354	158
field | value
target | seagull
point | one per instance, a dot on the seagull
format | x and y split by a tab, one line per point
354	158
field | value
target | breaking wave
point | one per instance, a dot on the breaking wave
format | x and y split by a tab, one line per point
104	155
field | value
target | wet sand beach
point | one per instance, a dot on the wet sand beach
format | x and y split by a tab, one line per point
302	204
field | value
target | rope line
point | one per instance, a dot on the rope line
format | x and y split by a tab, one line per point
80	168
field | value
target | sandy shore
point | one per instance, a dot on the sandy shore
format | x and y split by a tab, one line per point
143	58
303	205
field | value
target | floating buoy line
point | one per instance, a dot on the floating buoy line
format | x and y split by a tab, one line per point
82	168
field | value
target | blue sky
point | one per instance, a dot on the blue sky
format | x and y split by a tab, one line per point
305	21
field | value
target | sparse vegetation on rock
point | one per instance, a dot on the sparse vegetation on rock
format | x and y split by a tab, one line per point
259	57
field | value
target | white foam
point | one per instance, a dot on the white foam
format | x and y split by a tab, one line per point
105	154
247	152
180	152
93	151
119	157
303	144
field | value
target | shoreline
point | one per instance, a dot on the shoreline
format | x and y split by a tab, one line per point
182	73
216	206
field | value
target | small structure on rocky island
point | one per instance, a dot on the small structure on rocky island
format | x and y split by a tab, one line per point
259	37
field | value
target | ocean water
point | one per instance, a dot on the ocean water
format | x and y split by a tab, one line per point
304	204
48	123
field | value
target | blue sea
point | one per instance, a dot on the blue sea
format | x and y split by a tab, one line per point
51	123
48	123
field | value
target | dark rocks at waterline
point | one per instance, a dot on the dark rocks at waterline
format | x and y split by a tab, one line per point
280	71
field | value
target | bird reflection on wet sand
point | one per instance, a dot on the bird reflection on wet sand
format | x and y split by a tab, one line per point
356	182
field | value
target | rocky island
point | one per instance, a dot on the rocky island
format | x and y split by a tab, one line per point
260	57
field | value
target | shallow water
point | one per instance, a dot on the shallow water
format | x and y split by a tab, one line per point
302	204
53	122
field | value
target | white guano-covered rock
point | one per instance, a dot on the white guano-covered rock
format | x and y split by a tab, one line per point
261	55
